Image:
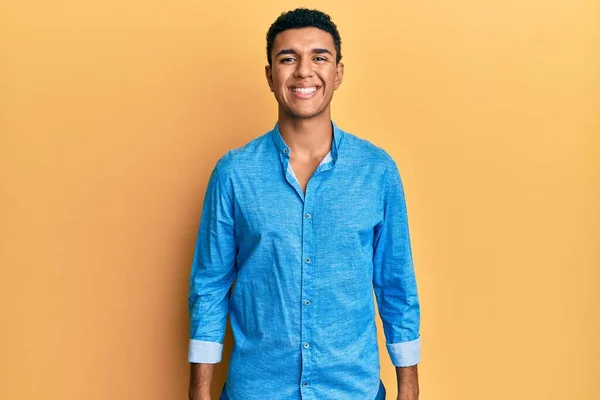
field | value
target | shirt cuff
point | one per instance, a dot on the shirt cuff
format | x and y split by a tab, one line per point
405	354
205	352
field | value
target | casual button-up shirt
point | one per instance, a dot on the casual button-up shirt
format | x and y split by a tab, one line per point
305	267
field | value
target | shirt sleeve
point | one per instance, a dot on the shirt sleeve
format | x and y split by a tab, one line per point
213	273
394	279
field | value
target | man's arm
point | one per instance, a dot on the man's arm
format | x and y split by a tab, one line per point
408	383
200	381
213	273
395	286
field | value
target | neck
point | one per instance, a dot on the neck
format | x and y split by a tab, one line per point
307	138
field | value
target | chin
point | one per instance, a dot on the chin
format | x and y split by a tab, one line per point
304	114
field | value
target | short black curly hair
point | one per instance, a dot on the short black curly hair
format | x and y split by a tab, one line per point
304	18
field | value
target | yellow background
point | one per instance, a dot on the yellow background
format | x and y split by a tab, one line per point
113	113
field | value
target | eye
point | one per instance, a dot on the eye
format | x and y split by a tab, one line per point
320	58
287	59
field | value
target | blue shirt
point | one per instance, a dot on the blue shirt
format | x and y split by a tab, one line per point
305	267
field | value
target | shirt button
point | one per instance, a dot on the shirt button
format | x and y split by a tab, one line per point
306	345
308	260
304	384
285	151
307	216
307	302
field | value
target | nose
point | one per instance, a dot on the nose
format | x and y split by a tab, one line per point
304	68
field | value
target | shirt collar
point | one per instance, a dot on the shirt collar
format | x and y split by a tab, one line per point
284	149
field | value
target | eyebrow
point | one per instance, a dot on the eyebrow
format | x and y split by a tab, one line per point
314	51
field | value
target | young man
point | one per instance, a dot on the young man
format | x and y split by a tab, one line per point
309	219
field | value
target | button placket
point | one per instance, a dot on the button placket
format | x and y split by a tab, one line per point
307	261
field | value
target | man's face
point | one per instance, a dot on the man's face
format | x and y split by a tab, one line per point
304	74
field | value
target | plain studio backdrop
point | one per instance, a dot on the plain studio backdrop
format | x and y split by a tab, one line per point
113	113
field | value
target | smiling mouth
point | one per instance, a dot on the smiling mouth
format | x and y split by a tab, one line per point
305	90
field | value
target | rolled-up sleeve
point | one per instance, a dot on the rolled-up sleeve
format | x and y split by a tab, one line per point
394	280
213	272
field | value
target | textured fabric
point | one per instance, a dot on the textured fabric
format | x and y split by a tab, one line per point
305	266
381	393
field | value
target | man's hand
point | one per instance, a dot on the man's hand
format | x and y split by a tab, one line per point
200	380
408	383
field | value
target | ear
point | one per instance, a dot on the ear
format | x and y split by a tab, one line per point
339	74
269	75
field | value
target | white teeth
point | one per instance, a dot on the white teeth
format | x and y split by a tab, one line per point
304	90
